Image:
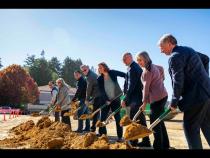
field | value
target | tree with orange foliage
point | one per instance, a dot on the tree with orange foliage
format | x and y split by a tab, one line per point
17	87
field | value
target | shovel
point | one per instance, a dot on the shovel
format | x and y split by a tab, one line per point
104	123
48	110
144	130
90	116
126	120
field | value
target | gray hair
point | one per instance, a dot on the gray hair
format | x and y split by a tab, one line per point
167	38
127	54
63	82
146	58
84	66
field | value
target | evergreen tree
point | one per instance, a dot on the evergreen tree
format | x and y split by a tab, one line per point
0	64
55	66
69	66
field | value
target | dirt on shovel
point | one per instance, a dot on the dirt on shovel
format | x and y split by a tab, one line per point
134	131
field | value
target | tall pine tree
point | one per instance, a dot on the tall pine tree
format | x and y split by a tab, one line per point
0	64
67	72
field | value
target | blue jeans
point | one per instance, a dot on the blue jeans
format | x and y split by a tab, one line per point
194	120
83	110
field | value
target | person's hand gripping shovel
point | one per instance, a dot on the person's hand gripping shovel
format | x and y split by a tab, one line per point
136	131
74	107
104	123
90	116
126	119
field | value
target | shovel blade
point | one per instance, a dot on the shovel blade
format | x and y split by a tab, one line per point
100	124
139	136
85	117
135	131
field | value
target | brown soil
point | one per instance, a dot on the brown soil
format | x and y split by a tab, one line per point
135	129
35	114
46	134
125	121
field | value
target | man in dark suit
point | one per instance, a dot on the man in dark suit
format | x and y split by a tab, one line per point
191	88
81	95
133	94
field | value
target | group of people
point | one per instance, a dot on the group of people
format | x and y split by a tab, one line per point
144	83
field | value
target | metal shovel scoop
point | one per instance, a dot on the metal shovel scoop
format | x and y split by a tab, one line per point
48	111
74	108
90	116
104	123
126	120
144	130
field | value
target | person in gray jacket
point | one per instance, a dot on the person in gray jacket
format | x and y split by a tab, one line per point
92	93
63	100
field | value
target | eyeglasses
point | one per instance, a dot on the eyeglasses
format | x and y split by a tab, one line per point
58	82
84	70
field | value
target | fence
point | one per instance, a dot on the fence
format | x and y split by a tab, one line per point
13	113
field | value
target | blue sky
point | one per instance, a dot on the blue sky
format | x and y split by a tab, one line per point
97	35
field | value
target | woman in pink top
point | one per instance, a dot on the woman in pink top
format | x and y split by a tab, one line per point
156	95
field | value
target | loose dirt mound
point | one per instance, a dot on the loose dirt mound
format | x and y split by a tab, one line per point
54	135
23	127
44	122
101	143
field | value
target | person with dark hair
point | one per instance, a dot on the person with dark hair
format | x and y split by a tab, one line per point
156	95
133	95
81	95
110	89
92	93
191	88
54	92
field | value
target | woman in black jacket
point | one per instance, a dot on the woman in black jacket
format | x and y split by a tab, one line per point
110	89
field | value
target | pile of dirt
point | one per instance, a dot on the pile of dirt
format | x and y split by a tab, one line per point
23	127
44	122
101	143
46	134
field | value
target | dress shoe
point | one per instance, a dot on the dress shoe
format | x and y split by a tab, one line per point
144	144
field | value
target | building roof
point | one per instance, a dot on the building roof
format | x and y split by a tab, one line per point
47	89
45	95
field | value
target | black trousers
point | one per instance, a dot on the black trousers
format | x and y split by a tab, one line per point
57	116
104	114
161	140
96	104
65	119
142	120
195	119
